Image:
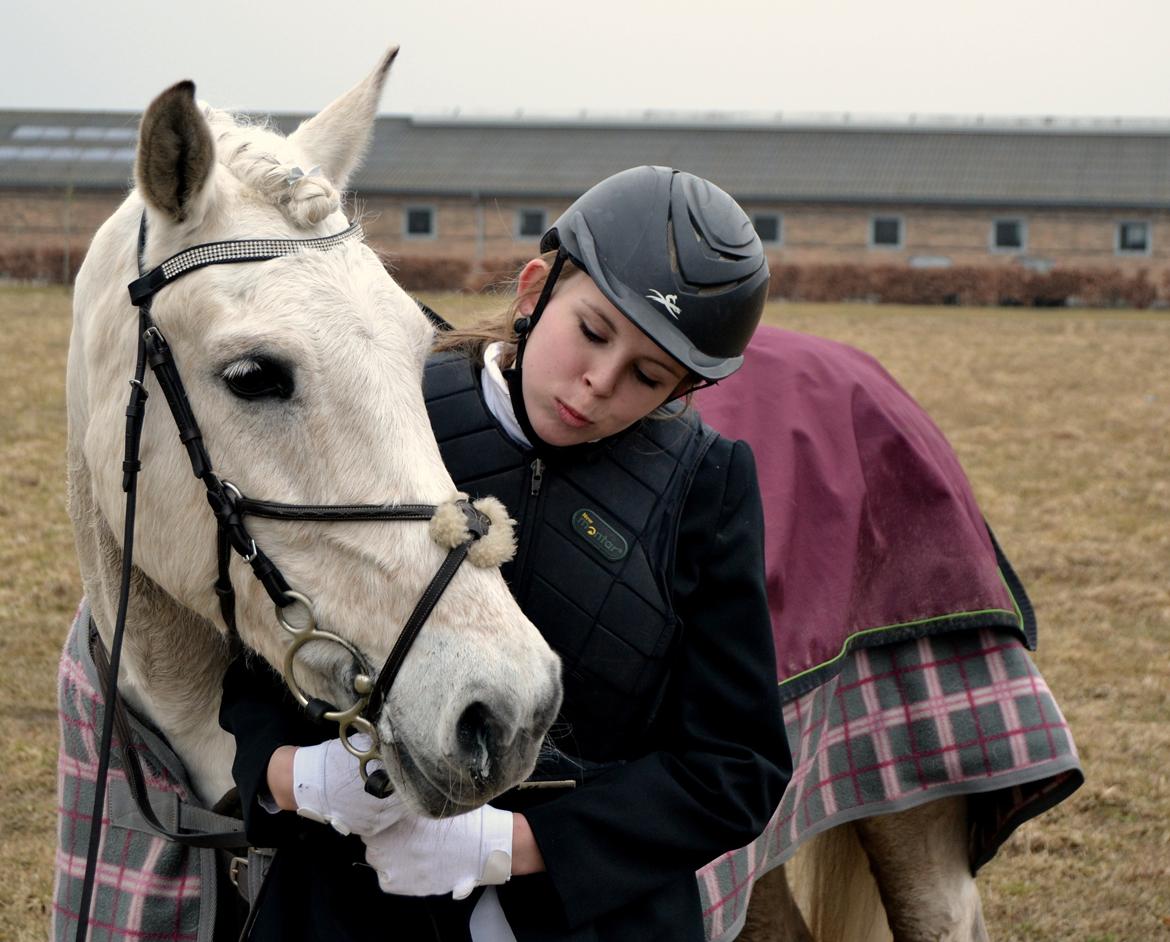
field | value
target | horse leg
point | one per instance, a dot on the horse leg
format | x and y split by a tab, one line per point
834	887
919	860
773	915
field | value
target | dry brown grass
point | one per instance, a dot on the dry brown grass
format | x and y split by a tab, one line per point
1061	419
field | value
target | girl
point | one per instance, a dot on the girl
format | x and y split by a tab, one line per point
640	560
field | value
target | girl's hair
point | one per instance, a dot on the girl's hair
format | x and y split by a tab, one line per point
501	326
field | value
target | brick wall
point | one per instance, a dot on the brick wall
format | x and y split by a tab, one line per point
479	229
28	216
832	234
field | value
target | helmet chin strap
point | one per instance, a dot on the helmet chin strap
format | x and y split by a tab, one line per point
514	375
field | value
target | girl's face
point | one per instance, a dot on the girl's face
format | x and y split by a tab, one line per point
588	371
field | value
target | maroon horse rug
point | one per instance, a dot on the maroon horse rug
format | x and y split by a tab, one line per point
900	628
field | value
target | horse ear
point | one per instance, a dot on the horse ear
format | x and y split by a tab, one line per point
176	152
338	137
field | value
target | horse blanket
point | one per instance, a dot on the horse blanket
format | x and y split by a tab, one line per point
872	533
147	888
900	627
902	724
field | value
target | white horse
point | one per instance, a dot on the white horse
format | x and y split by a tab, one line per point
304	373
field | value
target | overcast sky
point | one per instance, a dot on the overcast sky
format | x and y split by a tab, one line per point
865	57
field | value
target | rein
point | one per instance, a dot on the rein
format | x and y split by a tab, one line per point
230	508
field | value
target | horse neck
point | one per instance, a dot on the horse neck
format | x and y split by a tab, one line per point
173	660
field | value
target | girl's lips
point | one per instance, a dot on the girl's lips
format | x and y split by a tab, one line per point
570	416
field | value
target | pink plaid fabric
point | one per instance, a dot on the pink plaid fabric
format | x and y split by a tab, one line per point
960	713
147	888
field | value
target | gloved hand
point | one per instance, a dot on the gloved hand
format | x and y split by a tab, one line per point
431	856
328	787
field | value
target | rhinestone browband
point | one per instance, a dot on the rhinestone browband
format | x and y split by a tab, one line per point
238	250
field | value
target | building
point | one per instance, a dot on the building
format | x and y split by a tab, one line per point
1025	195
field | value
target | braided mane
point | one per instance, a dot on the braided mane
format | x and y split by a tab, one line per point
262	158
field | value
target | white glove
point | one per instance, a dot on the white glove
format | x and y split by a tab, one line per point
432	856
328	787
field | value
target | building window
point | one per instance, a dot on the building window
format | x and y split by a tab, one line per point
420	222
530	223
885	232
769	227
1008	235
1133	238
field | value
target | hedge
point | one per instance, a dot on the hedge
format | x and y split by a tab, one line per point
967	285
891	284
54	263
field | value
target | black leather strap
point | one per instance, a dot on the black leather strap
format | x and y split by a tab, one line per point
136	780
145	287
410	630
333	512
135	414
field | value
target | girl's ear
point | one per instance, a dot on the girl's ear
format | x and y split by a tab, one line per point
528	284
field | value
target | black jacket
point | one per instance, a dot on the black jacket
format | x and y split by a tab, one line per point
621	852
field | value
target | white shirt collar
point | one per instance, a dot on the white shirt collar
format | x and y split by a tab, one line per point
497	395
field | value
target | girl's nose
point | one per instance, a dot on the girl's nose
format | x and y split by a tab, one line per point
601	378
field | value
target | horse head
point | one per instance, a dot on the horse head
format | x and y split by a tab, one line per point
304	373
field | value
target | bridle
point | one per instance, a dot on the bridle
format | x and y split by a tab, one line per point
231	508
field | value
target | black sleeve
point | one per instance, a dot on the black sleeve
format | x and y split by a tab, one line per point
260	712
724	761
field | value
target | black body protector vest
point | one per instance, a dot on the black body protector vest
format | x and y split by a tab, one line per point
597	536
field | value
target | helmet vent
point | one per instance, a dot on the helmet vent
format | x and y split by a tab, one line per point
671	247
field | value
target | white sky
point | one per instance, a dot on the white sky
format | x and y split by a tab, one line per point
865	57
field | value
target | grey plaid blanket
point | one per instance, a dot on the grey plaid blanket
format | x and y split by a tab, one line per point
147	889
900	725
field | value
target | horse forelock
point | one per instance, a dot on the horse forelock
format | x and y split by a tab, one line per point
264	160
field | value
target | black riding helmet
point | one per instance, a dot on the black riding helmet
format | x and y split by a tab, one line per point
676	255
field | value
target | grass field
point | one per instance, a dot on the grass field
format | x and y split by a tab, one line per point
1062	420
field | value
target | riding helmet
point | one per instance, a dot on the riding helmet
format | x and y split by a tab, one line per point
676	255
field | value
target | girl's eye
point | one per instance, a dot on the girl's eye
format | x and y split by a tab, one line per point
259	378
646	380
589	334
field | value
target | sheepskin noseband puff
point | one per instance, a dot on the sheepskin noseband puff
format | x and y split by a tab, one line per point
449	528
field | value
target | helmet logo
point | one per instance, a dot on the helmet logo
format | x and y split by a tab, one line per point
666	300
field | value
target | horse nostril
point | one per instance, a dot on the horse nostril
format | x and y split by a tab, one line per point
476	735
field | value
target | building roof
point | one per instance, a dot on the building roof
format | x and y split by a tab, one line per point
1115	166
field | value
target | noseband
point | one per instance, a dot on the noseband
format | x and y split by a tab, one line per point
231	507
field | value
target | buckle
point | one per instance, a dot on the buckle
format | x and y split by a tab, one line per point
235	866
478	523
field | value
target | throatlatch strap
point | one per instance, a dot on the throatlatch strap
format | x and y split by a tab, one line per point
136	780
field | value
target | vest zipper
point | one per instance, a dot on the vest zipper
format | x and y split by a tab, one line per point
526	526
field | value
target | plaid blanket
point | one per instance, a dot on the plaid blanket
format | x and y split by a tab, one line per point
900	725
147	888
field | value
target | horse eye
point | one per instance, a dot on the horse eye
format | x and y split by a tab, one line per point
259	378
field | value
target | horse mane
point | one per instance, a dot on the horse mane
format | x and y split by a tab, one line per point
260	157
